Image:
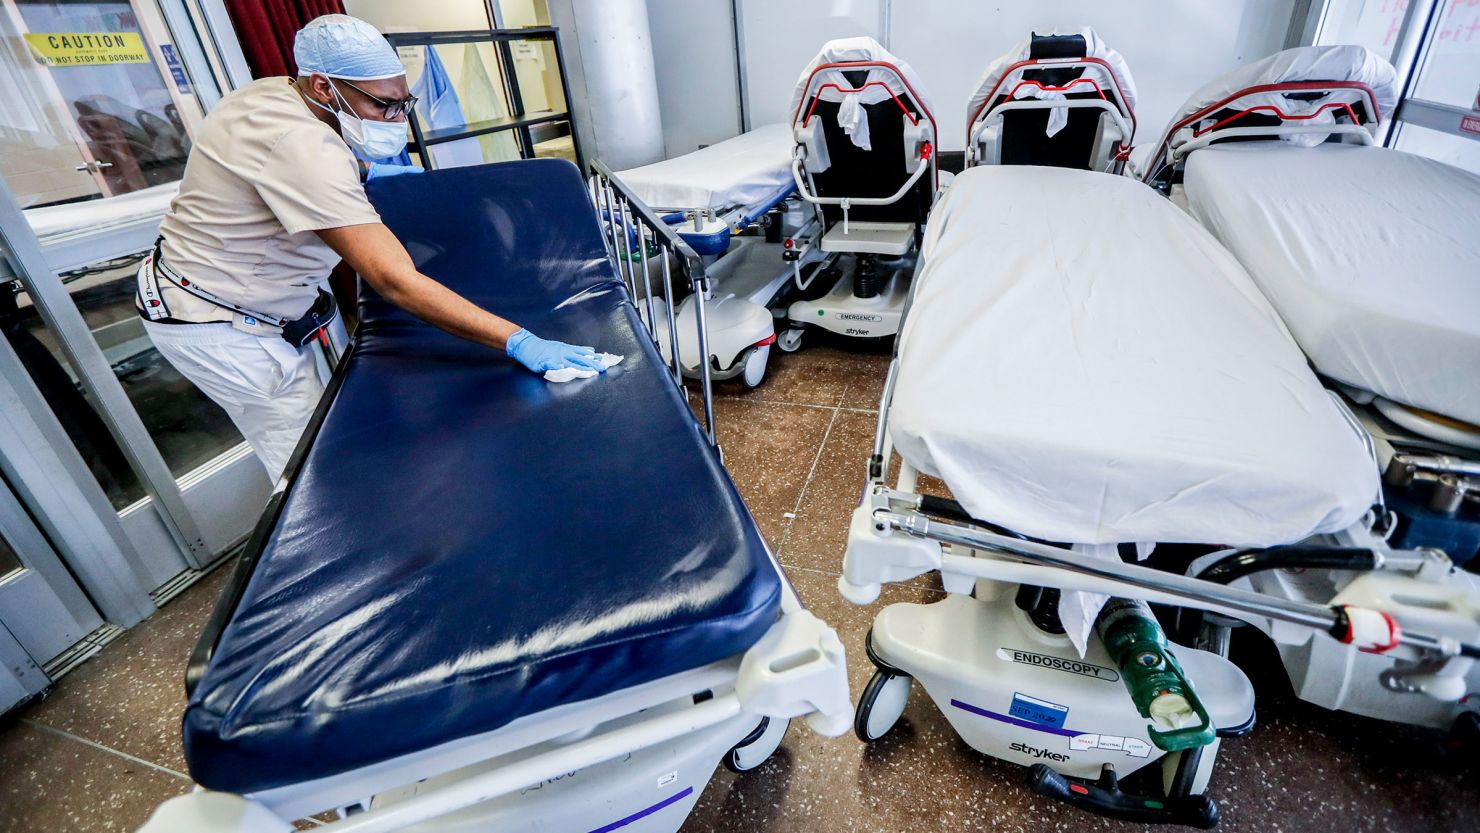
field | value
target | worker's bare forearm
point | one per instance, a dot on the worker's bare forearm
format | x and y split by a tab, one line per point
380	259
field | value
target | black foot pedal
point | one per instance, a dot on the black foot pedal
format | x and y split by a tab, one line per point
1106	798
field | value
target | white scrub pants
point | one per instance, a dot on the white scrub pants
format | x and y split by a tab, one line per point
268	387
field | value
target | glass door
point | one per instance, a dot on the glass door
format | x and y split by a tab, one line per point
93	142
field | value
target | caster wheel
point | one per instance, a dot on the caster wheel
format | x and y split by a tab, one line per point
758	746
754	371
789	340
881	704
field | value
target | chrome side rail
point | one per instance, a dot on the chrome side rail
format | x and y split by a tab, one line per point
629	225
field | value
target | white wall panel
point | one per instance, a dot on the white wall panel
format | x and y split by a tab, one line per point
694	52
781	36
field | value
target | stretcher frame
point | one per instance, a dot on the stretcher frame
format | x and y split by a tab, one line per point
897	534
796	670
1184	136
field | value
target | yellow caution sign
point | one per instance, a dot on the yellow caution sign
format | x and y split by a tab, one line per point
86	49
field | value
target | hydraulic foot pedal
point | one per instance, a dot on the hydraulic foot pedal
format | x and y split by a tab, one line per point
1105	797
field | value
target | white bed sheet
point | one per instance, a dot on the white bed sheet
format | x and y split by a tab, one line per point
729	174
1084	363
1371	255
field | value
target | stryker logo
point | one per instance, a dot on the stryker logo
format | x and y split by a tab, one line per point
858	316
1068	666
1034	752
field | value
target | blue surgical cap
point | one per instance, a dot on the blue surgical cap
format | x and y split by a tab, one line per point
345	47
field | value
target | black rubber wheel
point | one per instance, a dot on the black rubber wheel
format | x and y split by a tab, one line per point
881	704
766	732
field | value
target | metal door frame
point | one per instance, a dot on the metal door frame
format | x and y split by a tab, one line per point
49	476
41	571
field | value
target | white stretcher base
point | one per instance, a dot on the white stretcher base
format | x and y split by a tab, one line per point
841	312
966	677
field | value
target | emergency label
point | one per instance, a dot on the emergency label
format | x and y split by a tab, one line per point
1068	666
80	49
1038	711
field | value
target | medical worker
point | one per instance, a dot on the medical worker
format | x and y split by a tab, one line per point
272	198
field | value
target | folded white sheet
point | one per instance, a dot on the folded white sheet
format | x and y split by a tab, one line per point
1370	255
1084	363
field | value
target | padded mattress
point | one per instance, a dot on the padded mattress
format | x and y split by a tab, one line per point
462	543
1371	255
1083	363
737	172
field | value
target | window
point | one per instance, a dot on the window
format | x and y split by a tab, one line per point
1435	46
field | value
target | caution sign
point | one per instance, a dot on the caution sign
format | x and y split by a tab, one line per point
86	49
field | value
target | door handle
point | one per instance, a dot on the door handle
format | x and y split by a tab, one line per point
93	167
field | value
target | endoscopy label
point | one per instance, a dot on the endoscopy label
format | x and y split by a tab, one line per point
1038	711
1068	666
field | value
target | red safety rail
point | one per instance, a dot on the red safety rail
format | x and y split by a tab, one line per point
846	65
1123	103
818	97
1374	111
1270	108
1052	89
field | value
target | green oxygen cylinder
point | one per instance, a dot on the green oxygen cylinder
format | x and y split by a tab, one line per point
1157	685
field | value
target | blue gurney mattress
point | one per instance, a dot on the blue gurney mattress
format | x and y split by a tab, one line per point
462	543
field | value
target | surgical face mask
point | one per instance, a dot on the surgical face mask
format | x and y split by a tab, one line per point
371	140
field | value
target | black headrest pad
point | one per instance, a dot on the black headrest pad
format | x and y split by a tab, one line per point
1057	46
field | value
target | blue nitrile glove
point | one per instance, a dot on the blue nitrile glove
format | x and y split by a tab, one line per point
540	355
380	169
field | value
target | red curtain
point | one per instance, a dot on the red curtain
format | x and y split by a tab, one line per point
266	29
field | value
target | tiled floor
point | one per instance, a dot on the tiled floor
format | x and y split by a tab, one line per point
104	748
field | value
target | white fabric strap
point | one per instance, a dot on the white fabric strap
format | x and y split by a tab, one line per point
151	300
155	267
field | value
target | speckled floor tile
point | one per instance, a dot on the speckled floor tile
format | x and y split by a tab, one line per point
131	696
817	374
868	373
49	782
819	534
769	449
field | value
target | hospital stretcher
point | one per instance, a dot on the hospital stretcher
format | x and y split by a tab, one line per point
1082	409
709	197
482	601
1368	253
865	160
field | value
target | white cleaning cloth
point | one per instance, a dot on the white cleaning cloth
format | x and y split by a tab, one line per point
567	374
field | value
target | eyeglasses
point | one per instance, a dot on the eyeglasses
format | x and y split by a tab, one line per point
392	109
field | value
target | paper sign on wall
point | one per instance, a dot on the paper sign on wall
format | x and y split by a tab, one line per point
77	49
